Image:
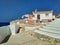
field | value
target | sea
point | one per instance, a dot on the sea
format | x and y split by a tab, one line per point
4	24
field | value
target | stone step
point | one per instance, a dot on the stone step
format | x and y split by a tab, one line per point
50	34
51	28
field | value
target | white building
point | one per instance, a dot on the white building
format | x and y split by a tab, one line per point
42	15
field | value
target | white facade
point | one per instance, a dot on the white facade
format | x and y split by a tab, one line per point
14	27
43	15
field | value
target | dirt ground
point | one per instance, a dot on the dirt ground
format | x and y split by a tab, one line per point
31	38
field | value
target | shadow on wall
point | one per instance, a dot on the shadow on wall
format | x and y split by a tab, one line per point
5	34
18	29
6	39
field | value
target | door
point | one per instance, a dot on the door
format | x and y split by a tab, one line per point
38	17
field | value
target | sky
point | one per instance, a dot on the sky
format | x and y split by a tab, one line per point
12	9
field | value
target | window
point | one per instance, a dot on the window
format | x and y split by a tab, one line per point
47	14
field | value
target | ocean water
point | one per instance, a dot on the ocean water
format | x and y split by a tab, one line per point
4	23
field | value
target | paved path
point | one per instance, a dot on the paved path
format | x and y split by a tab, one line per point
24	39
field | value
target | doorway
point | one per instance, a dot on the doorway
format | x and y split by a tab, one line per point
38	17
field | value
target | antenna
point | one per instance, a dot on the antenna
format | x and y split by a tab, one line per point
35	10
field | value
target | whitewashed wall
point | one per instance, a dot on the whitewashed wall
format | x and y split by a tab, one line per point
43	16
14	27
35	18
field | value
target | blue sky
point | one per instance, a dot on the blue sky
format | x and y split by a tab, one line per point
12	9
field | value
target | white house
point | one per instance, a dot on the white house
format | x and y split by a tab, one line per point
43	15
